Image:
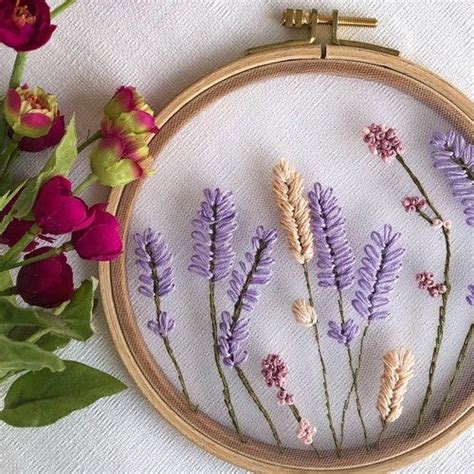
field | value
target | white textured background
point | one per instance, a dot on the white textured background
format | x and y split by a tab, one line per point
161	47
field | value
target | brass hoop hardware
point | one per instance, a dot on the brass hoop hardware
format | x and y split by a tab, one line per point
310	19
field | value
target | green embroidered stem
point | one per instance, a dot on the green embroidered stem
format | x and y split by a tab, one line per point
257	402
355	378
166	341
297	416
89	141
459	362
321	360
217	360
382	431
443	307
357	371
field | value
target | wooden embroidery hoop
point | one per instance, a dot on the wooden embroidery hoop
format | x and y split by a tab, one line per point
288	58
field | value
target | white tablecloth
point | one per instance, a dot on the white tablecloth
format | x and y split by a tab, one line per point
161	47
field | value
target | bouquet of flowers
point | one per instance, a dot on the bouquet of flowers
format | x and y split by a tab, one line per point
43	220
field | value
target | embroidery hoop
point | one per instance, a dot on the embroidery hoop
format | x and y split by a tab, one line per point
295	57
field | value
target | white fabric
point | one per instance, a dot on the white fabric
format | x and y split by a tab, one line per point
162	47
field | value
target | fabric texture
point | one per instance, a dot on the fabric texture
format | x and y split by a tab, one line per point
163	46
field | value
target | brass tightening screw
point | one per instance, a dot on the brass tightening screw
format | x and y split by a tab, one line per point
299	18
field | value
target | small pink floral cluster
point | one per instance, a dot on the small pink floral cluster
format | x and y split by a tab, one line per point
382	141
439	224
413	203
306	431
275	371
426	282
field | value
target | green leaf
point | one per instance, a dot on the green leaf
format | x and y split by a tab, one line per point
77	315
4	200
41	398
59	163
26	356
5	283
49	342
77	325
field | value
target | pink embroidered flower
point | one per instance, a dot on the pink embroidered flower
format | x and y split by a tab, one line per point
284	398
425	280
439	224
274	370
382	141
413	203
306	431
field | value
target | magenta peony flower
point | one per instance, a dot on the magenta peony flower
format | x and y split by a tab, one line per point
52	138
30	112
25	25
119	159
129	112
57	211
101	240
47	283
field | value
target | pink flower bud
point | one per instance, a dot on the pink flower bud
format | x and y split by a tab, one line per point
52	138
101	240
57	211
47	283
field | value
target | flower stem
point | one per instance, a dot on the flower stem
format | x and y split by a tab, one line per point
63	6
217	360
355	376
18	69
91	179
257	402
443	307
166	341
11	255
382	431
357	371
459	362
66	247
170	352
297	416
89	141
321	360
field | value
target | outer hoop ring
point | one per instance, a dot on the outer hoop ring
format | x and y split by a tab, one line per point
112	275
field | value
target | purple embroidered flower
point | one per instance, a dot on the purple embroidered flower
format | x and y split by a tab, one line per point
255	270
455	158
343	333
470	296
154	259
163	325
413	203
231	338
382	141
380	270
214	229
274	370
335	257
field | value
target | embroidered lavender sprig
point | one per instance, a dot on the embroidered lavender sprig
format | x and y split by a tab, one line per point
231	339
344	333
213	257
378	274
379	138
214	227
334	255
336	262
275	372
244	291
154	259
455	158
